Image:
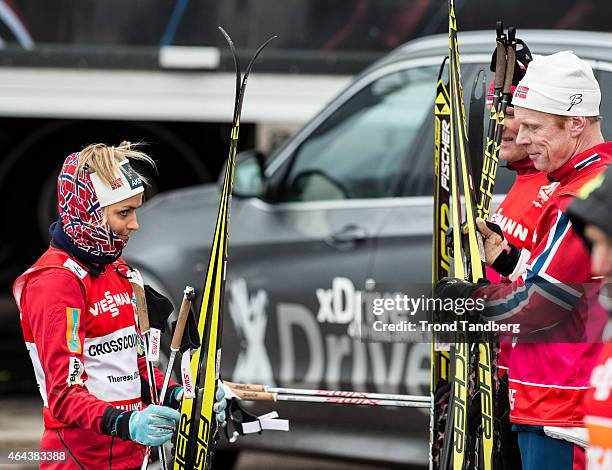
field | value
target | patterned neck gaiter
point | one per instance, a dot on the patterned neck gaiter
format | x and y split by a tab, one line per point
81	215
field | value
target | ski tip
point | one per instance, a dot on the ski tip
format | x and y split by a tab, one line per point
268	41
227	36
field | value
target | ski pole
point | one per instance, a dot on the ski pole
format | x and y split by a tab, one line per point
490	158
143	323
245	395
177	337
506	96
326	393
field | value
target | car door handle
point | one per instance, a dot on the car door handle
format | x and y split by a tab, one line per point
349	234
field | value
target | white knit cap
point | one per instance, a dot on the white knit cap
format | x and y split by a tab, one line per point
561	84
126	185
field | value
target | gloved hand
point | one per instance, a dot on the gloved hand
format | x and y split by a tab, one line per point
154	425
499	254
220	405
453	288
174	397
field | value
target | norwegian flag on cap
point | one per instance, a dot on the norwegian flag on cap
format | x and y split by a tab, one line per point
81	214
521	92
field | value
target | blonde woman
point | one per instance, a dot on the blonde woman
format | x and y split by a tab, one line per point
80	326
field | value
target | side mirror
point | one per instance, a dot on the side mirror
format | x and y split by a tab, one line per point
249	174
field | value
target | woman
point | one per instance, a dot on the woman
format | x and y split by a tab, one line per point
80	325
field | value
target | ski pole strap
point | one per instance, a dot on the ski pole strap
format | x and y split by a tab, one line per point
498	64
247	423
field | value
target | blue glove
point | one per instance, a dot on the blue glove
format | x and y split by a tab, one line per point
174	397
220	406
154	425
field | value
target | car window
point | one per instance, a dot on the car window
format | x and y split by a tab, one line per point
417	179
605	83
360	151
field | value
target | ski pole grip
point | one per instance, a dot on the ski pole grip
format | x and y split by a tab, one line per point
510	63
177	337
245	387
141	307
500	64
254	396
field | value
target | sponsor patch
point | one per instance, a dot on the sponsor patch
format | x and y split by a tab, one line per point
140	346
75	268
155	336
110	303
75	371
114	345
73	321
574	100
186	376
131	176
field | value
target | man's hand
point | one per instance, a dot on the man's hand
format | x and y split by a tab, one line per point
453	288
493	239
499	254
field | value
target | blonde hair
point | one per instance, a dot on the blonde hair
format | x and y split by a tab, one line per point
104	160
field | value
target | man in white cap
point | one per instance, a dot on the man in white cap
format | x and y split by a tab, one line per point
556	106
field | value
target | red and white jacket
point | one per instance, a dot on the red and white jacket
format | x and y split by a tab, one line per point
517	216
548	378
82	336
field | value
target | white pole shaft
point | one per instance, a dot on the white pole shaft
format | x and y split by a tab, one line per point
155	401
162	394
348	394
352	401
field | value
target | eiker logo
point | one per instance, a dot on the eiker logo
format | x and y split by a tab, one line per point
574	100
75	371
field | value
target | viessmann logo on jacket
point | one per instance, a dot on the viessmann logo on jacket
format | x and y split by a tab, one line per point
110	303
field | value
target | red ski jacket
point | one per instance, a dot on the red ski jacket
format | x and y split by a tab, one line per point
82	336
517	216
548	378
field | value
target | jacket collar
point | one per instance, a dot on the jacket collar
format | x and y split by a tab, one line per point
523	167
580	162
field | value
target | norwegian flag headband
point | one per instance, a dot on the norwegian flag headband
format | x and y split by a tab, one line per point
81	208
